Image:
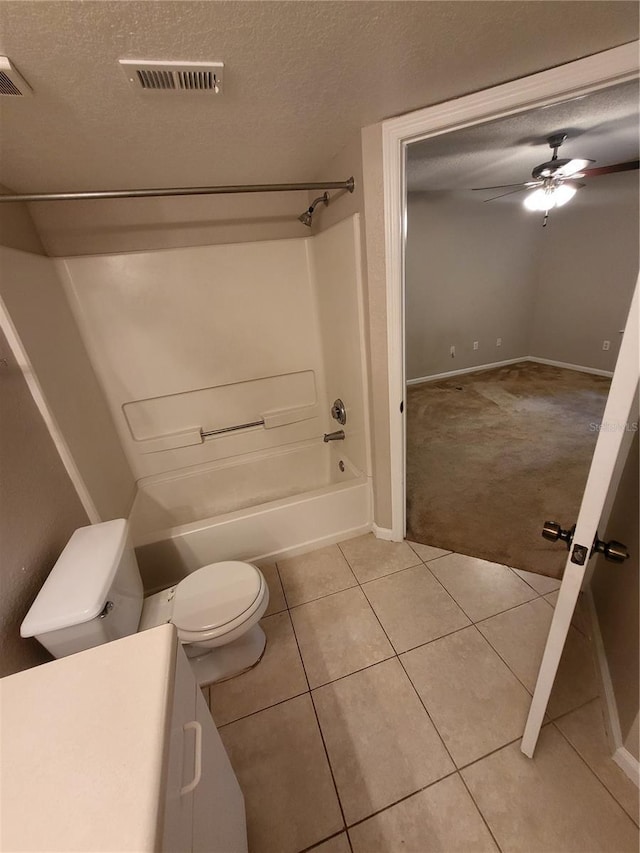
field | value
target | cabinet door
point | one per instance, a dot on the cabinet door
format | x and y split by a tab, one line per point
219	824
178	807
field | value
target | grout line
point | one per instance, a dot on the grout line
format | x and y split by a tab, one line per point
317	844
413	685
324	595
397	655
260	710
493	649
326	752
492	752
590	768
484	618
480	812
597	698
515	572
431	559
394	572
324	745
402	799
434	640
571	710
284	592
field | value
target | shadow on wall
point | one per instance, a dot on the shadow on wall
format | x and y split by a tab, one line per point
40	511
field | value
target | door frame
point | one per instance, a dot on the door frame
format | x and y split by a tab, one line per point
575	79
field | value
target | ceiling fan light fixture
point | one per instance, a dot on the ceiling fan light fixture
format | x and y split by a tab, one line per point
546	198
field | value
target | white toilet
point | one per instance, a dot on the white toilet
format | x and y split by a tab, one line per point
94	595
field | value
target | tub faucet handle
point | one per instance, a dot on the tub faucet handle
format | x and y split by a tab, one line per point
338	412
338	435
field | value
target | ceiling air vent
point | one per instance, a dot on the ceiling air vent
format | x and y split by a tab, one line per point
174	76
11	81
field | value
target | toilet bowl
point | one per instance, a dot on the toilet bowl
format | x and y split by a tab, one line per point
94	595
217	607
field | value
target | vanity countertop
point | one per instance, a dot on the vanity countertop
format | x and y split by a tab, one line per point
83	744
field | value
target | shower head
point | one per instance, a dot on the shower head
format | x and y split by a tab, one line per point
307	217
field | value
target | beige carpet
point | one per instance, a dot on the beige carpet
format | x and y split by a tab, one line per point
492	455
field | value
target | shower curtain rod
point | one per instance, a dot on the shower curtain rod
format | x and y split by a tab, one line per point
349	185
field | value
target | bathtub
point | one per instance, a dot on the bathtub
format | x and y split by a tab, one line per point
261	506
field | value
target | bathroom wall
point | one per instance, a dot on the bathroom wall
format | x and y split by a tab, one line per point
335	265
616	597
40	316
128	225
40	511
373	203
17	230
471	273
208	336
40	506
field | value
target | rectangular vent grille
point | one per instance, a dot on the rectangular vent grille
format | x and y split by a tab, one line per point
12	83
174	76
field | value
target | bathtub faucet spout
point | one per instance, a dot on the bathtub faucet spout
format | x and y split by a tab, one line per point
338	435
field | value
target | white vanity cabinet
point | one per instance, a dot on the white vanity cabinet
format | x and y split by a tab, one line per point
204	807
114	749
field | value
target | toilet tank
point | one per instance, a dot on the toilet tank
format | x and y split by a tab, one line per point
93	594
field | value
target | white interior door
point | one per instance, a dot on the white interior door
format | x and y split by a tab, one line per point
616	421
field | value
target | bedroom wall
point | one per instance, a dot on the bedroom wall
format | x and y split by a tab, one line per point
470	276
587	270
477	272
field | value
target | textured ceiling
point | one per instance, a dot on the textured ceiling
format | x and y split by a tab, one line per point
300	79
602	127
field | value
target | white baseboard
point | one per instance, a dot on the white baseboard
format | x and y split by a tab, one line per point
436	377
628	764
383	533
620	754
566	366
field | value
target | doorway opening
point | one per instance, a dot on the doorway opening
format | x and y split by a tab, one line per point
513	322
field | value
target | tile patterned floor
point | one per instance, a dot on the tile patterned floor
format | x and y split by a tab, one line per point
386	712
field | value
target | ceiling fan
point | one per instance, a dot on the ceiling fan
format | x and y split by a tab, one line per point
555	182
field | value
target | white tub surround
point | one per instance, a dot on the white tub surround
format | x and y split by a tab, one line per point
206	337
92	748
220	365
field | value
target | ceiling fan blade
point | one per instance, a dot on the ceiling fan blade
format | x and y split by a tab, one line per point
508	186
615	167
573	167
520	189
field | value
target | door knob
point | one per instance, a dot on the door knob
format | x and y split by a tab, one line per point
613	551
552	531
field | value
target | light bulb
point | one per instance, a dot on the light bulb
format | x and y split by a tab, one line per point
563	193
546	198
538	200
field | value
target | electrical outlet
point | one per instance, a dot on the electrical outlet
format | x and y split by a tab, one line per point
475	344
452	352
498	342
606	345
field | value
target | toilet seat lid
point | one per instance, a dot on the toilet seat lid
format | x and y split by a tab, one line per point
215	595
